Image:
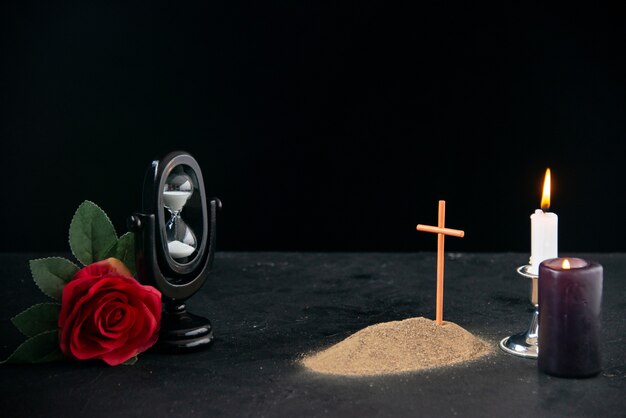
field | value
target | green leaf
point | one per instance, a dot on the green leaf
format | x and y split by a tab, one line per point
124	250
51	274
92	234
130	361
41	348
37	319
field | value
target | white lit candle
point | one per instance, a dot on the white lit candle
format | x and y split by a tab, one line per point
543	230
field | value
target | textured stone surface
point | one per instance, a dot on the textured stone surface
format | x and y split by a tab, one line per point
269	308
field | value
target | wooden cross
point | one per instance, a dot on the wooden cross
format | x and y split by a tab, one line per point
441	232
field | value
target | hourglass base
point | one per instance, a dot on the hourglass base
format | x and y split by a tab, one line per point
182	331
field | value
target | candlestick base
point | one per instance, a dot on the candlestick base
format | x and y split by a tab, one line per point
525	344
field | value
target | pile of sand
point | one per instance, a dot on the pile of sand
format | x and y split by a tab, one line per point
398	347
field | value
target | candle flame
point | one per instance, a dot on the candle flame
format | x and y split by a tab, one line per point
545	197
566	265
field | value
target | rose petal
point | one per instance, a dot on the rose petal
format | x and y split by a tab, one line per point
111	317
105	268
82	347
114	321
124	324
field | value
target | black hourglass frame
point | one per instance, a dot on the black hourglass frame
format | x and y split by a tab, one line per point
177	280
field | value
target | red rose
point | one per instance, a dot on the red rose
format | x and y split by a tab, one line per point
106	314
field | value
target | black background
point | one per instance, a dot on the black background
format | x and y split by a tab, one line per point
321	127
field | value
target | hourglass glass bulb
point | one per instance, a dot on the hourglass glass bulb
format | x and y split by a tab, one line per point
178	188
181	241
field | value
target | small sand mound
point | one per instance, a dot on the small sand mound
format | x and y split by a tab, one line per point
397	347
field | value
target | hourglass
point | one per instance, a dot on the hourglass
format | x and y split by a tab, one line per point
181	241
175	245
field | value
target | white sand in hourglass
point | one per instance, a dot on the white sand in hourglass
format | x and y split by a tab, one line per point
175	200
179	249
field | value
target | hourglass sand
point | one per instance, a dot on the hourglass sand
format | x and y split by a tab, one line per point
181	241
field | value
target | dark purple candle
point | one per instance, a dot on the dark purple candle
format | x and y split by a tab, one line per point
569	317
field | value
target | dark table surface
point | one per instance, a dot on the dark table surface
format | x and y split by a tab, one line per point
268	309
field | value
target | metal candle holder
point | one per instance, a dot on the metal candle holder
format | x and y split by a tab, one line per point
525	344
